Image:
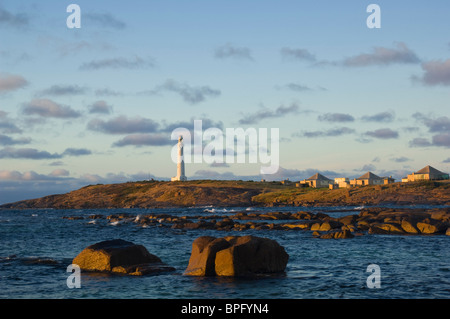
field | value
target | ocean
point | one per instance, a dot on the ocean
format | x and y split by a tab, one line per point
37	245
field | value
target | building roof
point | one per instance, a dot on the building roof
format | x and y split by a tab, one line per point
429	170
369	175
318	176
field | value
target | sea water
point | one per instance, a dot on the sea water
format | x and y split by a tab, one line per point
37	246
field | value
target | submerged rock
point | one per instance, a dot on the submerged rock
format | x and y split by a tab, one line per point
236	256
119	256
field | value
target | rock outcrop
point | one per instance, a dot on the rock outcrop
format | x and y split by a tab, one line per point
236	256
119	256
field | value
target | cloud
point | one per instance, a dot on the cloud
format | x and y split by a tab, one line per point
442	139
336	117
266	113
189	125
229	51
118	63
440	124
328	133
100	107
383	133
34	154
215	164
27	153
6	140
435	73
107	92
297	54
9	82
6	125
60	173
49	108
62	90
379	117
366	168
124	125
191	95
446	160
104	20
400	159
383	56
76	152
8	19
297	87
144	140
419	142
297	175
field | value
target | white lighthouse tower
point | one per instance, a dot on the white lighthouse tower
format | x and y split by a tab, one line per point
180	163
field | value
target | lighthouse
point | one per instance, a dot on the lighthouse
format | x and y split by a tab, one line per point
180	163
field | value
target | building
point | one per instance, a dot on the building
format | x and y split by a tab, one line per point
368	178
317	181
426	173
180	163
388	180
342	182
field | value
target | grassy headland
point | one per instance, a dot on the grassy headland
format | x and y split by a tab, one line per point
153	194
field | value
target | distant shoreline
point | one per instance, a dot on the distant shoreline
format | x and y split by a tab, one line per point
163	194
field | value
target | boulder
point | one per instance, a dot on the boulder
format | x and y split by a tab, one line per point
348	220
203	255
236	256
409	227
431	227
119	256
385	228
442	215
448	232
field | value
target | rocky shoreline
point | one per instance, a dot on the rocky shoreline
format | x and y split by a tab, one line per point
375	220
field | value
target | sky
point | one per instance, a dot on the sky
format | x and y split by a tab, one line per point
98	104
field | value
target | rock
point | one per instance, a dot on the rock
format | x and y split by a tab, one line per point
385	228
350	228
440	215
408	227
302	215
330	224
391	228
431	227
448	232
348	220
236	256
250	255
337	235
297	225
363	225
119	256
203	255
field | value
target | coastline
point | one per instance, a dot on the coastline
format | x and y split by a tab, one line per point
162	194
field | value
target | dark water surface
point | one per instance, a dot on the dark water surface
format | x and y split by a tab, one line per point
36	246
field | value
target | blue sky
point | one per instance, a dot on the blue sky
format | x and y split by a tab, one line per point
97	104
